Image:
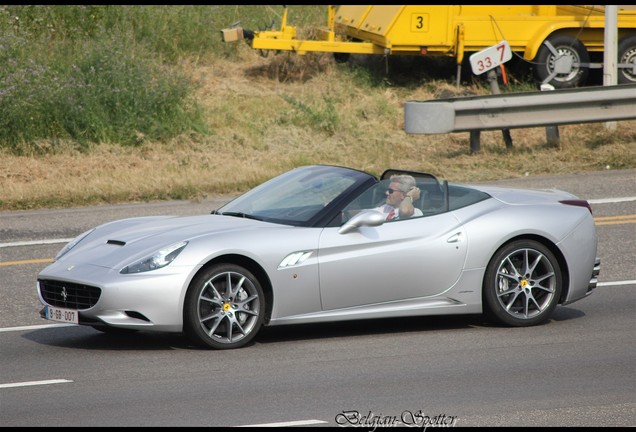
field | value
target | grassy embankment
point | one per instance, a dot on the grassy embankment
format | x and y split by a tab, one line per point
105	104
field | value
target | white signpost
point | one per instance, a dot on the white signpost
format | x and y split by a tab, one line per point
491	57
485	61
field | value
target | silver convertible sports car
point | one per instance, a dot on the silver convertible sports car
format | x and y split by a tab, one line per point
311	246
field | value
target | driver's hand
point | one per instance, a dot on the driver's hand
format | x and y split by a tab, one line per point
414	193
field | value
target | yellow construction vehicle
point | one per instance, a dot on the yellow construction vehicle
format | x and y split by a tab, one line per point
561	43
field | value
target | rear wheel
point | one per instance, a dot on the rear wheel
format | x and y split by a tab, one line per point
522	285
560	62
224	307
627	55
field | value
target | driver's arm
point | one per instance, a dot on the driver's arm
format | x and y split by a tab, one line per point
406	206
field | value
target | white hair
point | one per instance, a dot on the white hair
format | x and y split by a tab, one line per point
406	181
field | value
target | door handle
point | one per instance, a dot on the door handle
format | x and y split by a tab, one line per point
455	238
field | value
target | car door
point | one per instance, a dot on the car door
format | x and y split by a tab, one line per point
404	259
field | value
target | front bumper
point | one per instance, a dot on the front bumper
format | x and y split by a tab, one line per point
144	301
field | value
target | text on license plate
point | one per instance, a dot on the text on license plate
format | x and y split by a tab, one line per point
62	315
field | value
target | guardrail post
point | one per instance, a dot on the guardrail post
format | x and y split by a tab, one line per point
494	87
474	141
551	132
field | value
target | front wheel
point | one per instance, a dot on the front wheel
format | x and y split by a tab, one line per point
522	285
224	307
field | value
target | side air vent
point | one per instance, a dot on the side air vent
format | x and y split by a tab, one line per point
595	272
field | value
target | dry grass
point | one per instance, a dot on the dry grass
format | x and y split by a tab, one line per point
269	115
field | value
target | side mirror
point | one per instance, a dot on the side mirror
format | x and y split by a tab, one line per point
364	218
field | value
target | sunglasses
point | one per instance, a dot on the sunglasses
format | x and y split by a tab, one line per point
390	191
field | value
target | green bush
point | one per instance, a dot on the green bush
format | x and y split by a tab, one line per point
105	92
99	73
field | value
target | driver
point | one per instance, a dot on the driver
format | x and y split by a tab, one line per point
399	198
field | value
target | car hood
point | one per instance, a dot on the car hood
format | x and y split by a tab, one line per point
119	243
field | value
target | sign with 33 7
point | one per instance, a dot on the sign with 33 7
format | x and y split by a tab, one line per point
491	57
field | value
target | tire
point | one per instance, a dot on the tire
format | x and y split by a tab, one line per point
564	46
627	54
523	284
224	307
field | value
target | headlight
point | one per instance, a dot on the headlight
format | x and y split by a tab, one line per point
155	261
70	245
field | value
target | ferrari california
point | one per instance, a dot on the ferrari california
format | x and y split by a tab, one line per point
312	246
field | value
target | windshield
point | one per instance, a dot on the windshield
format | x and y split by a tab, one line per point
297	197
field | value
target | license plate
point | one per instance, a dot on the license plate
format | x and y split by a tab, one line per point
62	315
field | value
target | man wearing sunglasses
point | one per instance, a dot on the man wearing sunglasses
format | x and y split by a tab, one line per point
399	198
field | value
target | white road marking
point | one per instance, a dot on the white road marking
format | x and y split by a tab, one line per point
627	282
66	240
37	327
610	200
34	242
283	424
34	327
35	383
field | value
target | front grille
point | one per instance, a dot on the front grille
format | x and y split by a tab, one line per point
69	295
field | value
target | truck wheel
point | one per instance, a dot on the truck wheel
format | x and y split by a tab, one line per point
627	55
560	62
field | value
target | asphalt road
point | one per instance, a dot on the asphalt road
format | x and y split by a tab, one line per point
577	370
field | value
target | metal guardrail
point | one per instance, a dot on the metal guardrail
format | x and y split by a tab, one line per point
521	110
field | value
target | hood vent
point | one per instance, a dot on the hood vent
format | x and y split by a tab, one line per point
116	242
